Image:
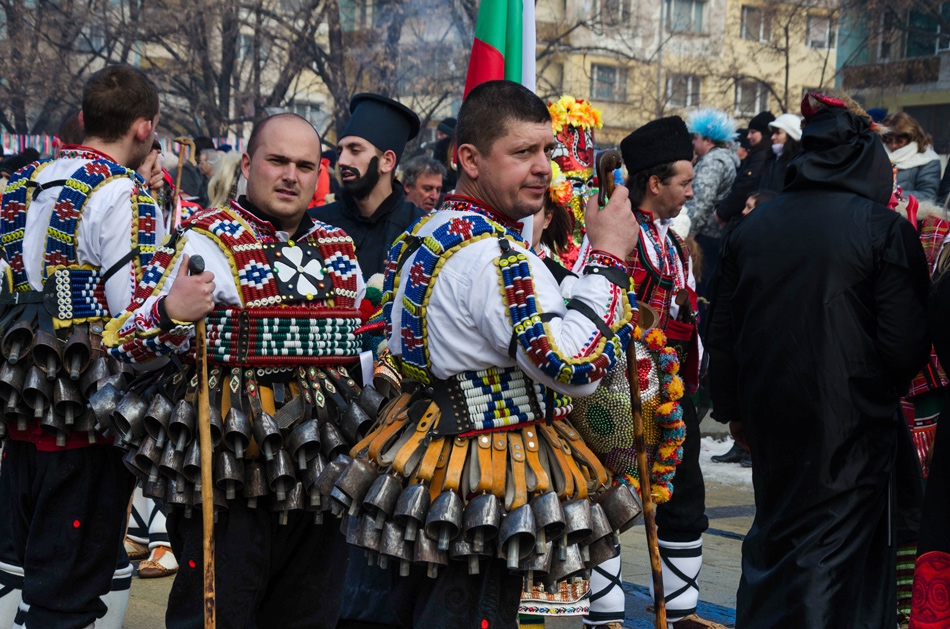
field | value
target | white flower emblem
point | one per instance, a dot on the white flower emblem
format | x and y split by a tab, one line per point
291	269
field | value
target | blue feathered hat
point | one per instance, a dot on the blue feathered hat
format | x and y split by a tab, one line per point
714	124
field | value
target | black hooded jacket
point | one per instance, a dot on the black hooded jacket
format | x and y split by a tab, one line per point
817	327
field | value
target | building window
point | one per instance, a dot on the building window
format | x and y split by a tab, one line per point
755	25
613	12
92	38
356	14
751	98
683	90
311	111
608	83
684	16
821	31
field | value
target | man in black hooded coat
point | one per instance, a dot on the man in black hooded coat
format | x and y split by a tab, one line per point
818	326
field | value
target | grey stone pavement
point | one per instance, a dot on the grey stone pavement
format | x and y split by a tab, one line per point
729	505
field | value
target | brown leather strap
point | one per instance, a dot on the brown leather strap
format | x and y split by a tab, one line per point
516	493
430	460
499	463
580	480
440	469
585	457
394	419
535	477
453	474
480	468
412	451
557	462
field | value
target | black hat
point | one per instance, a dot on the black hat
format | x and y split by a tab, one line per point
658	142
761	122
744	139
382	122
447	126
16	162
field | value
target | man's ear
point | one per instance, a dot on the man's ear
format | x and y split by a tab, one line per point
387	163
653	184
143	130
245	164
468	160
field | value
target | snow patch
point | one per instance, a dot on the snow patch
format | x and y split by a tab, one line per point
722	473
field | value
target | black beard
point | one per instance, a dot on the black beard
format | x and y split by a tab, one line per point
361	187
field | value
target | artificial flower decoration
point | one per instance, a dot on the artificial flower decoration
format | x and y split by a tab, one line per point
300	273
574	112
561	189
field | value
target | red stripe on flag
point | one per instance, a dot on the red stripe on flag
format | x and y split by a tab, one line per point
486	64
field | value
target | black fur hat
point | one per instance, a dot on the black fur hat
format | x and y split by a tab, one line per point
658	142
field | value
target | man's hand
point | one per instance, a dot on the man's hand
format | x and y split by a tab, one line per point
738	434
191	297
613	229
151	170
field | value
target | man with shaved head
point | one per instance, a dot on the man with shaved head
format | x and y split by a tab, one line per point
279	295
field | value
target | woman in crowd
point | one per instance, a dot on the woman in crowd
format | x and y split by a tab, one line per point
910	150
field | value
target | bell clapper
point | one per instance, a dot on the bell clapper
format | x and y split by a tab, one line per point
514	552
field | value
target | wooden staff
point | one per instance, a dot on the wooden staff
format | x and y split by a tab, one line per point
606	164
196	266
183	142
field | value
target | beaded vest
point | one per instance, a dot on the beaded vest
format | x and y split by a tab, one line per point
657	284
472	401
79	288
298	299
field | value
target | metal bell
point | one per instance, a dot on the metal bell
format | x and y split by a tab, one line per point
411	508
157	416
537	565
255	482
229	474
53	424
549	518
351	528
599	525
516	537
267	435
303	443
280	474
327	478
427	552
394	546
481	520
120	381
172	463
444	519
46	353
577	521
355	422
351	487
368	538
103	402
87	423
309	478
371	400
381	499
217	427
96	371
564	569
463	551
191	467
67	401
21	414
178	496
129	417
237	432
17	342
332	442
77	353
156	490
220	503
147	458
131	464
37	391
622	506
292	502
601	550
11	383
181	427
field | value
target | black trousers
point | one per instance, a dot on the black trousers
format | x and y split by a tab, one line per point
266	575
67	518
683	517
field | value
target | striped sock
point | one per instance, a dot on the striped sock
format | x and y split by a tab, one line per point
906	554
527	621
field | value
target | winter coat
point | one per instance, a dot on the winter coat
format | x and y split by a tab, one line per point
773	173
917	173
747	182
714	174
818	325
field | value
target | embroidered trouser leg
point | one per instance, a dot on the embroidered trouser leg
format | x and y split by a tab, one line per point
67	518
606	593
267	574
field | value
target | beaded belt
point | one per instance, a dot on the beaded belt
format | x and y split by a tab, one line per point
80	294
493	398
277	336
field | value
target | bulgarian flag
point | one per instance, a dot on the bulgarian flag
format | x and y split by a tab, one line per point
504	46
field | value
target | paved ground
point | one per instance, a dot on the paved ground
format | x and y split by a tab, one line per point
729	505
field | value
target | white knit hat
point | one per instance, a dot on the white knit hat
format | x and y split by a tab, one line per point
790	124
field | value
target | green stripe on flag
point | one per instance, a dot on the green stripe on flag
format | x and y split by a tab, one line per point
500	26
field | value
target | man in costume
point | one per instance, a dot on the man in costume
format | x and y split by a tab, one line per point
477	318
64	490
373	209
279	296
810	373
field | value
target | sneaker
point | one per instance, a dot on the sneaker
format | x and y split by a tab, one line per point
161	563
732	456
134	550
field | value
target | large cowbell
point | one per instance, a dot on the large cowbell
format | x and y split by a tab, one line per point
299	270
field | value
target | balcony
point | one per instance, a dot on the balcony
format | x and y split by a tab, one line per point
892	73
